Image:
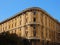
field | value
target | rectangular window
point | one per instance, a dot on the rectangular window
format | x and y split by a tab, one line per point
20	22
34	12
34	19
15	24
34	32
43	42
34	27
12	25
26	33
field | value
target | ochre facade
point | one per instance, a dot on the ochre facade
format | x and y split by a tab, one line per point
35	25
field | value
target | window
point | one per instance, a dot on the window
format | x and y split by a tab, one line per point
47	42
26	33
3	28
34	27
34	32
43	42
15	24
34	19
12	25
34	12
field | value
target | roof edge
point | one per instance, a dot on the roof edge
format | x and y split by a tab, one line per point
27	10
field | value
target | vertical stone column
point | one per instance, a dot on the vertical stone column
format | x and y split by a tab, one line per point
39	17
23	32
30	17
30	31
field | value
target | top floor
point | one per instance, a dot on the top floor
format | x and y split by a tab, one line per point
15	20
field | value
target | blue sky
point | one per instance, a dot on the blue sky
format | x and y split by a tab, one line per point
9	8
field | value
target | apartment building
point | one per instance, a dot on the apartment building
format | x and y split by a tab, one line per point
35	25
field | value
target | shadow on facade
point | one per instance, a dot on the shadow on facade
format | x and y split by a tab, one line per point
12	39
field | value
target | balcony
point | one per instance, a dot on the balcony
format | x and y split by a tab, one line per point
32	38
33	23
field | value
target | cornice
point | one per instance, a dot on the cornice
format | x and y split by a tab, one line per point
29	9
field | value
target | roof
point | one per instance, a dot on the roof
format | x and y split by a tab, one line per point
35	8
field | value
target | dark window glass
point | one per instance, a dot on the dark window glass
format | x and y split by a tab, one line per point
34	19
34	12
34	32
34	27
43	42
